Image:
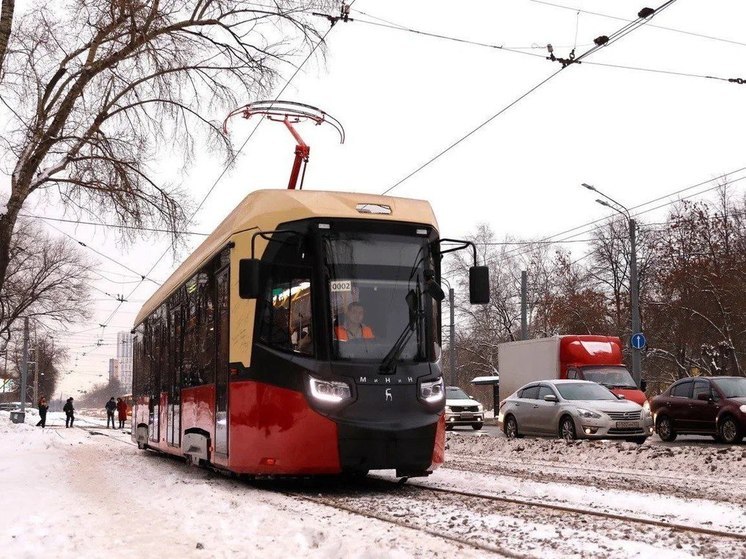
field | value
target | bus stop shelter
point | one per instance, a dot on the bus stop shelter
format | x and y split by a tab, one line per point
494	381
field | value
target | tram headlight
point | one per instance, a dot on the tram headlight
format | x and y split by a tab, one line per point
329	390
432	391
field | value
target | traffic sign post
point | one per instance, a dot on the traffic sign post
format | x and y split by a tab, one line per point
638	341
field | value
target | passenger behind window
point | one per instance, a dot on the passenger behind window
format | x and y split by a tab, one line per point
279	335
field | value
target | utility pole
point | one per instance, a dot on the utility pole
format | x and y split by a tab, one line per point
452	325
634	301
24	368
524	305
634	294
36	367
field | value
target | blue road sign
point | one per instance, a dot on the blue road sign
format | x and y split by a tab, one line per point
638	341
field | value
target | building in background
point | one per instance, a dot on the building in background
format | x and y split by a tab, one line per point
114	371
124	356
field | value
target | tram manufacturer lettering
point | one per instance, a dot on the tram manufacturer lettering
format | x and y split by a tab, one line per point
389	396
386	380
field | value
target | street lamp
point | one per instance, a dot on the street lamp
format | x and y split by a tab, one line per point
634	294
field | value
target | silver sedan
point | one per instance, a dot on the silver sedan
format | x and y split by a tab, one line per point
573	409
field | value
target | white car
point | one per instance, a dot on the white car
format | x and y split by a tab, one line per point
462	409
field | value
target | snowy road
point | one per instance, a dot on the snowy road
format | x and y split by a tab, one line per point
74	493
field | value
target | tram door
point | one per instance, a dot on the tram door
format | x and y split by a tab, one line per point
222	369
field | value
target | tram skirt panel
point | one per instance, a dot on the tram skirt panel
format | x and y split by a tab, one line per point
274	431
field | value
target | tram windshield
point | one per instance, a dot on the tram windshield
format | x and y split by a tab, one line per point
376	300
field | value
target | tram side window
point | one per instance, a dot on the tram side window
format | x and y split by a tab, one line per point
206	321
175	347
190	363
148	358
163	359
286	320
138	364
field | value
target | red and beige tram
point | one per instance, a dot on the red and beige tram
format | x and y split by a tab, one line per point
302	337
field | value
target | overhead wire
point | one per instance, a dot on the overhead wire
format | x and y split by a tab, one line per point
523	50
102	255
113	225
589	227
600	43
588	12
642	205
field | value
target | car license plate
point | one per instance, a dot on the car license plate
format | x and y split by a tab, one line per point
467	415
627	424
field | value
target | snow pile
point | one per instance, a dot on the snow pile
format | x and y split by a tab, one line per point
682	459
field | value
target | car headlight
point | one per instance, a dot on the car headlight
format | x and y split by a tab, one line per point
480	407
448	409
329	390
646	406
743	409
582	412
432	391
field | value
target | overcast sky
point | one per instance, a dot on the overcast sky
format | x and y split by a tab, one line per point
404	97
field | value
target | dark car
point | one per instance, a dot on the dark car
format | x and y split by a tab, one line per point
702	406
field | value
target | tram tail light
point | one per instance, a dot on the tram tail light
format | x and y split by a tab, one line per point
432	391
331	391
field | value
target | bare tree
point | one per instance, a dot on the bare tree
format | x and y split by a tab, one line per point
92	91
697	309
46	279
7	7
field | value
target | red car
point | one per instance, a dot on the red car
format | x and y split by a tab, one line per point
703	406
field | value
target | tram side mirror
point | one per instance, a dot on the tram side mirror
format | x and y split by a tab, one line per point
248	278
479	285
643	385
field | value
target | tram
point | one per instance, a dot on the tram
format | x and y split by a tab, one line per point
240	362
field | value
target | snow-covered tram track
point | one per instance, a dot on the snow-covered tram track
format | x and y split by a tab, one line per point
648	482
588	512
521	527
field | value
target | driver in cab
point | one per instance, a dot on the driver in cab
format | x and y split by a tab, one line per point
352	326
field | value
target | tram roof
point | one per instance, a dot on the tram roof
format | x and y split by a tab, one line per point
266	209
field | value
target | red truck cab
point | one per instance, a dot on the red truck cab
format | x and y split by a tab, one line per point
598	359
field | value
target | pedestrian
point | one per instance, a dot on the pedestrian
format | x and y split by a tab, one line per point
69	412
111	407
122	409
43	407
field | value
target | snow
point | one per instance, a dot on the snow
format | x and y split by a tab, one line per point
76	493
69	493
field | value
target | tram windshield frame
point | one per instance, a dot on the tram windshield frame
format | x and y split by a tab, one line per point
375	287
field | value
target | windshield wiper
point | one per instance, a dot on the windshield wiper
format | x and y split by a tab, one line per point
396	350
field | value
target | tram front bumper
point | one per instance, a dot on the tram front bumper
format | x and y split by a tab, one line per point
408	451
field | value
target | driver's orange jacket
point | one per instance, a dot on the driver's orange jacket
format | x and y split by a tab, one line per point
343	335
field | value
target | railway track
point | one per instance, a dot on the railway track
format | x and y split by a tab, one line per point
623	479
502	525
499	525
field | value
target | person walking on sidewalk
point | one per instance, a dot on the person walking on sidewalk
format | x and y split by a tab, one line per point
69	412
122	409
111	407
43	407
